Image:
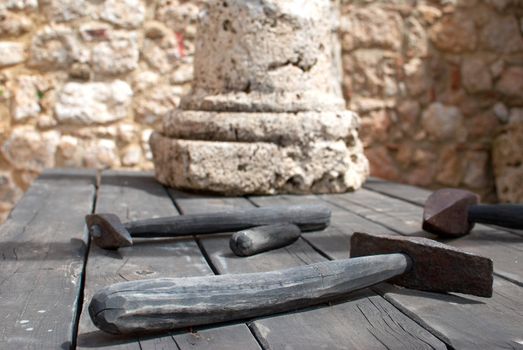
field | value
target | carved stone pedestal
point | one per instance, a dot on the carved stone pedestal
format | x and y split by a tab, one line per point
265	113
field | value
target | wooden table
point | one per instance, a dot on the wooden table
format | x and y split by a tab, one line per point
49	272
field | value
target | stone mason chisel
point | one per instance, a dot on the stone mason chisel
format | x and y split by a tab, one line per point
108	232
452	212
168	303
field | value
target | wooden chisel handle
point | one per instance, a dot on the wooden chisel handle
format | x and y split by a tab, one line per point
170	303
506	215
306	217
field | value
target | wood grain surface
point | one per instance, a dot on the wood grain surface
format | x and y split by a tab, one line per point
43	247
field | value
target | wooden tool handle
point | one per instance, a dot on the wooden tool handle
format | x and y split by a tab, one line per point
169	303
262	238
506	215
306	217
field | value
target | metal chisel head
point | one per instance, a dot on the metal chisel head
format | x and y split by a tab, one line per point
107	231
446	212
435	267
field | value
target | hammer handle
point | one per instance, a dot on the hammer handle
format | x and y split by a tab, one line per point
306	217
169	303
506	215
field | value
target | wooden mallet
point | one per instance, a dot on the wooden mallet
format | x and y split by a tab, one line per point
168	303
452	213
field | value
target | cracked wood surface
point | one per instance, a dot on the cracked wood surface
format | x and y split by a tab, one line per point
42	246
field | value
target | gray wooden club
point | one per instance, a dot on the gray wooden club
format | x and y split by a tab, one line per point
168	303
108	232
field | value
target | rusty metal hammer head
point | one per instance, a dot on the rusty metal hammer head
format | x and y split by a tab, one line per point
436	267
446	212
107	231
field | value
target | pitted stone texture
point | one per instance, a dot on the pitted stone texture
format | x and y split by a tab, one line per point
279	128
90	103
507	159
454	33
258	167
27	94
30	149
370	28
119	54
65	10
13	24
179	16
123	13
18	4
443	122
97	153
266	55
11	53
155	103
56	47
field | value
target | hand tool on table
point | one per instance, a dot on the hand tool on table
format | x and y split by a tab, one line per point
108	232
452	213
263	238
168	303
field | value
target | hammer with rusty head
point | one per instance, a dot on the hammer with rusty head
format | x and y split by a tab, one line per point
452	213
108	232
169	303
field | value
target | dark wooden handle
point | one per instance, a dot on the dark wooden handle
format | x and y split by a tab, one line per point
169	303
306	217
506	215
263	238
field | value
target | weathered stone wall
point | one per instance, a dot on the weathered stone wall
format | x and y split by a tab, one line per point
435	83
84	83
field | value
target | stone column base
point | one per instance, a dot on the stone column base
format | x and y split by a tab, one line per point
260	153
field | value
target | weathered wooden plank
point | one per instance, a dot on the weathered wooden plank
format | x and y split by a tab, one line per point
137	196
504	248
287	333
466	322
216	338
463	322
411	194
353	324
43	247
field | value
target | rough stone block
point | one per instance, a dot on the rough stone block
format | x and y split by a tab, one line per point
258	167
11	53
29	149
28	90
507	159
266	56
123	13
279	128
117	55
90	103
